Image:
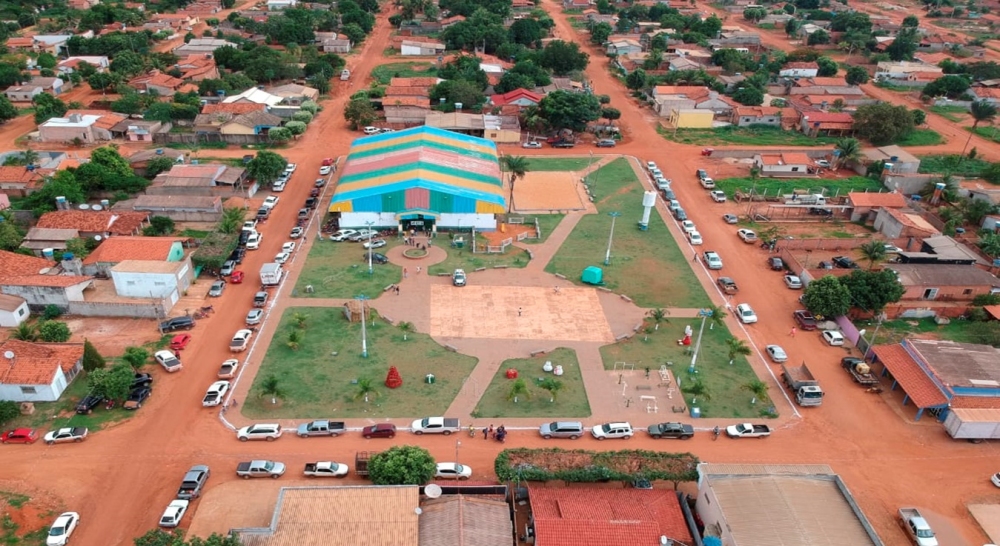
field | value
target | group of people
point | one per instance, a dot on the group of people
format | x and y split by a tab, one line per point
499	434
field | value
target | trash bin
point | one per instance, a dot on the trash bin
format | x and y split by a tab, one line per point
429	379
695	413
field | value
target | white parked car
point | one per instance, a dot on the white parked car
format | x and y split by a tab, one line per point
282	257
713	260
650	165
271	201
241	340
746	314
253	242
325	170
533	144
279	186
254	316
688	226
343	234
833	337
747	235
296	232
290	168
214	395
371	130
250	225
62	528
776	353
377	243
288	247
175	511
995	479
169	362
793	282
453	471
694	237
612	430
260	431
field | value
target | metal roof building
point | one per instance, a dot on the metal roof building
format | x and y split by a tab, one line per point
422	178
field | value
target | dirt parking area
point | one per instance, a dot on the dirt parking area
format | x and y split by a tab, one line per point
234	505
110	336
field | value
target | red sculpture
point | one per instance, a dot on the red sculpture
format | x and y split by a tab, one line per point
393	380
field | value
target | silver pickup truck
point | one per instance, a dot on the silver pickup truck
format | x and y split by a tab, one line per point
260	469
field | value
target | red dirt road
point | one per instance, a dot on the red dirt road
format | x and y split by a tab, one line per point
121	478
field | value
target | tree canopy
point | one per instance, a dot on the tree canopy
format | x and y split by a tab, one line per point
827	297
566	110
882	123
402	465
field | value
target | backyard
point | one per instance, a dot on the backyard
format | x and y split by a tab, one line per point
384	73
571	400
647	266
747	136
779	186
724	384
322	376
962	331
340	270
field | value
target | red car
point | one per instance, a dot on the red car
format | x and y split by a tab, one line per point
19	436
236	277
381	430
180	341
805	319
327	161
707	151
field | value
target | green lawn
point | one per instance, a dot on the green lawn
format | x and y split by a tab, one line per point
564	164
462	258
340	270
989	133
384	73
547	223
774	186
963	331
318	383
723	382
951	113
648	266
748	136
952	164
921	137
571	401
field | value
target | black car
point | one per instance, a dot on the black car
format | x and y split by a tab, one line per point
238	254
137	397
141	380
606	143
376	258
776	263
311	203
820	212
244	237
177	323
844	262
88	404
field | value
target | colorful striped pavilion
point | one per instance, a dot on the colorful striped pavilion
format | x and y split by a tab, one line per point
420	178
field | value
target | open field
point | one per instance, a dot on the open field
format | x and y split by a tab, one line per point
319	378
571	400
921	137
955	165
384	73
558	163
648	266
745	136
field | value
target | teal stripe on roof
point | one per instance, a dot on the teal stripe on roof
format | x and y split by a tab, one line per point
425	130
401	146
403	185
473	177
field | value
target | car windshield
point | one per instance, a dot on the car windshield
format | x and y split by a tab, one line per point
925	533
56	531
606	428
268	465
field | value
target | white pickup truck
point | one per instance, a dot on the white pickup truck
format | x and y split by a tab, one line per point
435	425
325	469
917	527
748	430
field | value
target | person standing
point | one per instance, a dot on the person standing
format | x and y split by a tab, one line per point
487	432
792	333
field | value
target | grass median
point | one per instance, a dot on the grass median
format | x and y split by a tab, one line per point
570	400
340	270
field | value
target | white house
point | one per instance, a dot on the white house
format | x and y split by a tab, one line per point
782	164
13	311
152	279
799	70
72	64
37	372
278	5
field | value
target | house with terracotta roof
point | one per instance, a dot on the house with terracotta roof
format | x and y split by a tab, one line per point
100	63
865	204
38	372
197	67
899	223
95	222
407	100
13	311
84	125
204	179
163	84
799	70
765	504
140	160
794	164
942	376
987	94
21	181
689	97
816	123
235	108
744	116
40	281
945	283
115	250
519	97
595	516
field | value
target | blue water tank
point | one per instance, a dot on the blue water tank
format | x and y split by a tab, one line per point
67	255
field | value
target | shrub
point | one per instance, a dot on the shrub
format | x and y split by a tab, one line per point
53	331
523	464
8	411
92	360
986	299
51	312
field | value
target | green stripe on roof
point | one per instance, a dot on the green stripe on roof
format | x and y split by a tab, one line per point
457	172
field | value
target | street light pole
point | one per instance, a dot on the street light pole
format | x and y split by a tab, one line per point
370	270
607	255
458	444
364	333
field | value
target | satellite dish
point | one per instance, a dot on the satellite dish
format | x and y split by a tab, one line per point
97	237
9	355
432	491
418	511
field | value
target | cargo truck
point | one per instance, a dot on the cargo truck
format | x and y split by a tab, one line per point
802	383
270	274
974	425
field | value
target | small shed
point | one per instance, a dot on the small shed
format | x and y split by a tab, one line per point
356	310
593	275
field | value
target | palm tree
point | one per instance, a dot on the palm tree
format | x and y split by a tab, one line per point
873	251
553	386
715	314
300	320
754	174
517	389
696	388
271	387
850	150
658	315
366	389
294	338
758	388
516	166
25	332
981	111
737	347
406	328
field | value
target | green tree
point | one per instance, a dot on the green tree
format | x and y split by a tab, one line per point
989	242
136	357
792	27
562	57
636	79
53	331
850	150
266	167
911	21
882	123
8	411
515	167
904	45
566	110
872	251
159	537
758	388
697	389
525	31
463	92
11	235
128	64
552	386
102	81
737	347
26	331
232	220
754	14
919	117
279	134
271	386
401	465
366	389
92	360
159	225
611	114
950	86
158	165
518	389
7	109
975	210
360	113
856	75
296	127
113	383
827	297
872	290
749	96
827	67
47	107
981	111
600	33
818	37
294	340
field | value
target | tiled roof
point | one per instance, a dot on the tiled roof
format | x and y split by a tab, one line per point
993	310
233	107
916	384
119	249
510	96
105	120
118	223
463	520
19	264
413	82
406	101
877	199
800	65
36	363
165	80
10	303
410	91
51	281
788	158
602	517
757	111
693	92
21	175
257	119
